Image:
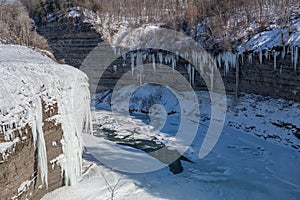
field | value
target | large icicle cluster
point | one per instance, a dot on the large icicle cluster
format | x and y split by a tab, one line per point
228	59
26	82
138	58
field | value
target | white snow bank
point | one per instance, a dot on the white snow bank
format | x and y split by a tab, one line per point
27	79
273	38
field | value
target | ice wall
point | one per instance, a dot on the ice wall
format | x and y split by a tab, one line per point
27	83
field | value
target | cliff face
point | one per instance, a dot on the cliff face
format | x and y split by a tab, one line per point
262	79
44	109
70	43
20	175
75	44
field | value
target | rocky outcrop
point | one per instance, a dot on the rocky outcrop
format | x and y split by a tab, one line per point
262	79
44	110
20	176
70	43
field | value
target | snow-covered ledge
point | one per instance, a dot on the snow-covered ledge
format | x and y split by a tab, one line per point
31	82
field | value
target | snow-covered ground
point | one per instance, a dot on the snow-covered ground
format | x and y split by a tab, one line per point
255	157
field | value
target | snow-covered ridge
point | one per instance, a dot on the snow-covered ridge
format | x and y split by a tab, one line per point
28	79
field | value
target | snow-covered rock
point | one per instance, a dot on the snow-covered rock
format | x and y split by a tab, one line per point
27	81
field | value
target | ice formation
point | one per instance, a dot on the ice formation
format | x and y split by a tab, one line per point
250	58
260	57
30	81
228	59
275	54
296	55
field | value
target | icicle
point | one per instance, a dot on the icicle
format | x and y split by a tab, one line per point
219	61
169	59
242	55
283	53
153	62
260	57
166	59
190	73
145	56
275	61
160	55
212	77
226	58
250	58
173	62
193	76
38	139
186	55
139	59
280	71
132	63
296	58
233	60
292	54
115	50
267	55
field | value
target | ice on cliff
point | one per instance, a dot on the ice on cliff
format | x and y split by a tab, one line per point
27	80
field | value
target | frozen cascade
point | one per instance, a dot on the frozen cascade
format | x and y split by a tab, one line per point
32	80
38	138
229	59
75	116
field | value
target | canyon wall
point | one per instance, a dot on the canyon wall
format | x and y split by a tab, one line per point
20	176
74	43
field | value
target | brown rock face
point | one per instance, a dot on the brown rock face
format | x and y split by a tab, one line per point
20	173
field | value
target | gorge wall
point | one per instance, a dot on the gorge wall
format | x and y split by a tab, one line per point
44	110
20	175
73	43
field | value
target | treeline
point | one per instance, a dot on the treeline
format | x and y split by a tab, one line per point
222	19
16	27
191	11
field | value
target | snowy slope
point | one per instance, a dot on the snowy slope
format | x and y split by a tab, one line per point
28	78
240	167
253	159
